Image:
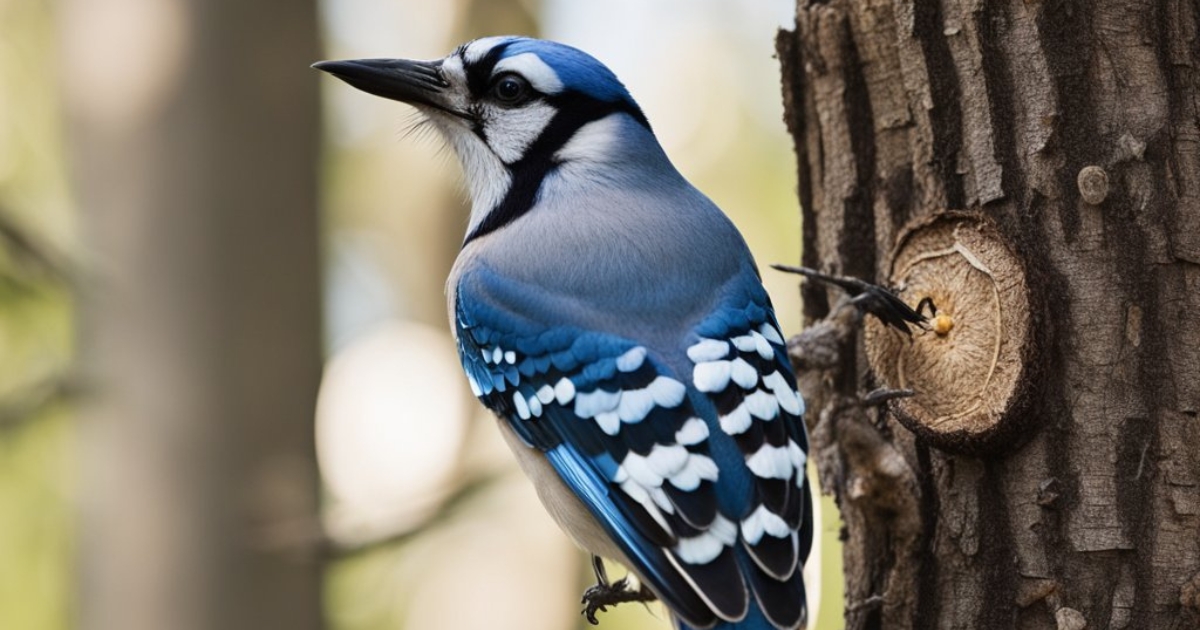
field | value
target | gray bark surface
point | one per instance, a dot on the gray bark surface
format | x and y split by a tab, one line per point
1075	126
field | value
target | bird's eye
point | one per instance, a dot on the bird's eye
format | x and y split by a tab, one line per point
510	89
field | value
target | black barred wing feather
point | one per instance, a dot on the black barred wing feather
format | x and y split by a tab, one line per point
696	472
620	429
740	364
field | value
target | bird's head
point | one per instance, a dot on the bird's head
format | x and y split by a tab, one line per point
514	109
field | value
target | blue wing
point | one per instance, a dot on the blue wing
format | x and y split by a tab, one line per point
741	365
694	473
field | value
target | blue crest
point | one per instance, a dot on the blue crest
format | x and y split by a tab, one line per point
577	70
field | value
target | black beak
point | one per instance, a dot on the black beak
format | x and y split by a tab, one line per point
415	82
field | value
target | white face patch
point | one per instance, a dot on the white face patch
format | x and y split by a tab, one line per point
480	47
509	132
485	175
542	77
593	142
452	66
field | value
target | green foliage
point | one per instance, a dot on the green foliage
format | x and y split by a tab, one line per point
35	524
36	329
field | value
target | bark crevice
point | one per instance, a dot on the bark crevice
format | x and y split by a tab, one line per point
945	106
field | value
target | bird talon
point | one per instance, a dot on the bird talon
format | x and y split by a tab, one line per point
883	395
599	597
873	299
926	303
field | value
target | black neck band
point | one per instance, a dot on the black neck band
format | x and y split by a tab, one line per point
574	111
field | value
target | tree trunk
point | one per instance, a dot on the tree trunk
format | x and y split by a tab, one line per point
194	137
1069	132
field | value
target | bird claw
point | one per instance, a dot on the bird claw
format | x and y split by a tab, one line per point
883	395
873	299
599	597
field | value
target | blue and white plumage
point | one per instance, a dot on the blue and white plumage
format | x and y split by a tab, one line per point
614	319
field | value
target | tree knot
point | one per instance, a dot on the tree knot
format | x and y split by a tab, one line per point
968	371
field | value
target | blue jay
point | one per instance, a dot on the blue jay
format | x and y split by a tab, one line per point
614	320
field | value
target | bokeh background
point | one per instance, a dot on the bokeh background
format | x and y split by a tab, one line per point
228	395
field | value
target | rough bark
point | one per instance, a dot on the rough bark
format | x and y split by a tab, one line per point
1075	127
194	135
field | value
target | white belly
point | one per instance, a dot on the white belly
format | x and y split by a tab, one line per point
564	507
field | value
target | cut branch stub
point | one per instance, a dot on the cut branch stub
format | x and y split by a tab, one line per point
969	369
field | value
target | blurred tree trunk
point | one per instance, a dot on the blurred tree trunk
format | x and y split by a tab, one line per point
1073	127
194	128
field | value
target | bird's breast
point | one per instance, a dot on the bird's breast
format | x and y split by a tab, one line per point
638	258
560	502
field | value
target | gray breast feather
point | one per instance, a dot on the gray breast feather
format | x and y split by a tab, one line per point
630	259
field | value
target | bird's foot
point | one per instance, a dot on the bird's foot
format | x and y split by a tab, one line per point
873	299
602	595
881	396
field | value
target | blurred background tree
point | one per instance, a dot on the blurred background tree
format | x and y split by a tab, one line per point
193	133
213	252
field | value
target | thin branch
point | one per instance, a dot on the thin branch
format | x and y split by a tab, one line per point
872	602
29	403
464	494
32	254
311	539
883	395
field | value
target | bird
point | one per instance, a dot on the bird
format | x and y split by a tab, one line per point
615	321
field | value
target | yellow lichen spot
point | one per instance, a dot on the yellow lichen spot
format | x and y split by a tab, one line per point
942	324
